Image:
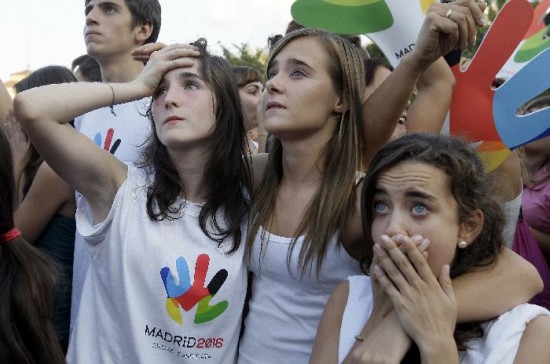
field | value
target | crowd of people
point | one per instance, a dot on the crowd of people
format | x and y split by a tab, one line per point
162	205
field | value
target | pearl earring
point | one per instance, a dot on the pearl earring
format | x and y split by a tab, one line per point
462	244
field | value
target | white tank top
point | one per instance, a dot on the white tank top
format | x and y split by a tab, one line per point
286	307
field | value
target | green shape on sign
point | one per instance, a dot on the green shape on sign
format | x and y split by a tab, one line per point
533	46
343	16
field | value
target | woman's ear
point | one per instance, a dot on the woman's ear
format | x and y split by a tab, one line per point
470	228
340	106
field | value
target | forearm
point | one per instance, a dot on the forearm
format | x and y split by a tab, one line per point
381	111
441	350
431	105
384	338
486	293
63	102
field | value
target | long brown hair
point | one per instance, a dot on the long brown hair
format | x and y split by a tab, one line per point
28	280
342	157
228	172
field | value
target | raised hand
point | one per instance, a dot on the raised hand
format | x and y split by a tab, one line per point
447	27
143	53
164	60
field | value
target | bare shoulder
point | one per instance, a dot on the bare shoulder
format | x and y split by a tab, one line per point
259	163
533	347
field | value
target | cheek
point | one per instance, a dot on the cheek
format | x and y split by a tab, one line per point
438	256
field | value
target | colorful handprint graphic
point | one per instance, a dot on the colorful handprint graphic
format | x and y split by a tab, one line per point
106	144
186	295
471	113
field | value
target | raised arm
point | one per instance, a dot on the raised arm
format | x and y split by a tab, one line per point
433	99
45	112
439	35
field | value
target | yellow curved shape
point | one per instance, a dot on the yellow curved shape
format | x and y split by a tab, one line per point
351	2
173	309
425	4
493	154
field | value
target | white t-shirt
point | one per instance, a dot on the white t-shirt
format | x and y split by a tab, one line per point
156	292
124	136
285	307
499	345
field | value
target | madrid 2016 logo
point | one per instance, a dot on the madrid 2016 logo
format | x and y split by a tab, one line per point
186	295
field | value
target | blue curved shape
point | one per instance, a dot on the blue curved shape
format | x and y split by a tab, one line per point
529	82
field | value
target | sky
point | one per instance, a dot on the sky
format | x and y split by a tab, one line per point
37	33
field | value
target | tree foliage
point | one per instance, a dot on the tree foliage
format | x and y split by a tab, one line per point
244	56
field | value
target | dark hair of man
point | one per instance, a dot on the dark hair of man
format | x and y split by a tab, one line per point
27	282
144	12
88	68
42	76
471	187
228	172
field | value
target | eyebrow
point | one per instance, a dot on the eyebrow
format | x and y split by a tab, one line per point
409	194
292	62
185	75
102	4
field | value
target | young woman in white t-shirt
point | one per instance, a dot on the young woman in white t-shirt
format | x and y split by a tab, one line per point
166	239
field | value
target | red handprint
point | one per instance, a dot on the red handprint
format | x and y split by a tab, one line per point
471	113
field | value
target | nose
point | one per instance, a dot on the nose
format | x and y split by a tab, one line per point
274	85
395	224
171	98
91	17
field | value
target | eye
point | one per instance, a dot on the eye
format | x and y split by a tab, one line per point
298	73
191	85
380	207
109	9
271	73
159	92
253	91
420	209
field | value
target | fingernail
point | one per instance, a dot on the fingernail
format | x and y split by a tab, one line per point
385	238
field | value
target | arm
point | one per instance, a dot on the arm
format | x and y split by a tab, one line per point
327	341
511	281
47	195
437	37
533	347
433	100
543	240
45	112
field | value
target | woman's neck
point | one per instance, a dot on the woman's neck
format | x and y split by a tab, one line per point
190	166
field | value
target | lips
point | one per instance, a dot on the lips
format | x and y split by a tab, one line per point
172	119
91	32
273	105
